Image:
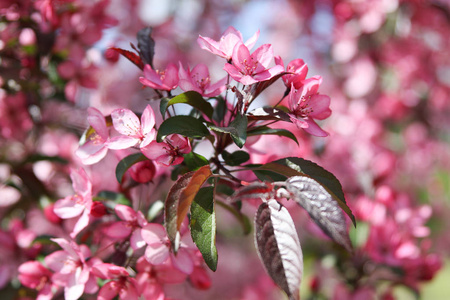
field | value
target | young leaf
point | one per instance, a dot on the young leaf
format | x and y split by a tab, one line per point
203	225
322	176
179	199
236	158
184	125
274	131
126	163
146	45
279	247
321	206
194	99
131	56
237	129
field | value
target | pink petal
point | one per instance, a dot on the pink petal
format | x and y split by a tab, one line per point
126	122
122	142
142	221
91	152
31	273
108	271
300	123
155	150
210	45
129	292
171	77
150	137
118	230
246	79
320	105
91	286
149	83
252	40
97	121
56	261
147	120
125	212
108	291
215	89
228	43
311	85
200	71
136	240
73	292
187	85
314	129
81	183
151	76
156	253
233	72
153	233
68	208
183	261
82	223
263	55
241	54
269	73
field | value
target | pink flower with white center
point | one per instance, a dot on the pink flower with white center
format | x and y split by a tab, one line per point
249	69
170	151
131	129
306	104
72	271
225	46
78	204
129	227
198	80
296	66
151	279
34	275
121	283
160	80
159	249
95	148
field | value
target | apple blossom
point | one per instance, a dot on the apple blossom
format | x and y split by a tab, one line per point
169	152
166	80
198	80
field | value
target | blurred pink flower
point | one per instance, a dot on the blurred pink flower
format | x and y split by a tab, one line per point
225	46
95	148
72	270
158	249
143	171
78	204
131	129
198	80
306	104
34	275
160	80
248	69
170	151
130	226
121	285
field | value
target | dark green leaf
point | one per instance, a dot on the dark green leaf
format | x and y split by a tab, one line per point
203	225
163	106
194	99
126	163
184	125
38	157
194	161
236	158
274	131
117	198
220	110
237	129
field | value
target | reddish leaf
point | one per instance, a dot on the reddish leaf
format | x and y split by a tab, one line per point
131	56
255	190
180	197
321	206
279	247
146	45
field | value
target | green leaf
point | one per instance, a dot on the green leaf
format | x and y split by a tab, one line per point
126	163
295	166
193	99
194	161
184	125
237	129
163	106
203	225
274	131
236	158
116	198
39	157
220	110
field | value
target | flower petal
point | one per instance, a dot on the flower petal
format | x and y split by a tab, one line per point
97	121
122	142
126	122
156	253
68	208
183	261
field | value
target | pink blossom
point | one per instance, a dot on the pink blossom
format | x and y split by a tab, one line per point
121	284
160	80
225	46
249	69
296	66
159	249
34	275
306	104
130	226
95	148
78	204
131	129
170	151
143	171
198	80
72	270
